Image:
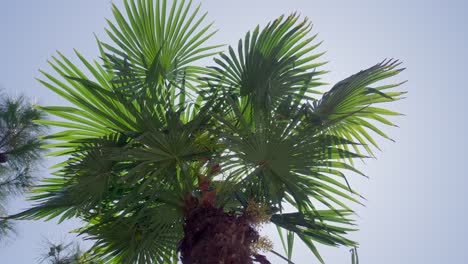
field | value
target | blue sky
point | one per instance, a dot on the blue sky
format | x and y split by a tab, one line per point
416	205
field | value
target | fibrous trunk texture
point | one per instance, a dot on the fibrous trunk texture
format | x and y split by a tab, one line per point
212	236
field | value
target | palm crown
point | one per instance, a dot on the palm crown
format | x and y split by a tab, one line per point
150	136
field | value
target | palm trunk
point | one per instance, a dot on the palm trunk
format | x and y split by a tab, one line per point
212	236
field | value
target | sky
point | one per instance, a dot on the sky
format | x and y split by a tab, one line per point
416	206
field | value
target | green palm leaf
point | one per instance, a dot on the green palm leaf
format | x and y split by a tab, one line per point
271	63
155	44
347	109
323	226
150	236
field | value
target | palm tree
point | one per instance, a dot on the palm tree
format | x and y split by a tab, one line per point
167	159
19	150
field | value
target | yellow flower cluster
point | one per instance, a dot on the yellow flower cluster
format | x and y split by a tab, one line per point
263	244
257	213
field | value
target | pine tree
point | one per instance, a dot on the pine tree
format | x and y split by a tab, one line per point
19	150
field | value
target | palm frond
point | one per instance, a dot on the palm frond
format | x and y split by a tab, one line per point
155	44
272	165
271	63
287	243
149	235
323	226
347	109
